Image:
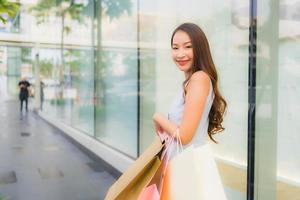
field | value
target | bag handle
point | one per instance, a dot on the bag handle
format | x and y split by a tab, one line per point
179	145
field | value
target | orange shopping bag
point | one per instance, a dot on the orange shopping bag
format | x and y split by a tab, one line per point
153	189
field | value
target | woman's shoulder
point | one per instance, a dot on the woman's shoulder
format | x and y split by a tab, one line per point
200	78
199	83
200	75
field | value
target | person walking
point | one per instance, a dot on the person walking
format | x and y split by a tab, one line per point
24	87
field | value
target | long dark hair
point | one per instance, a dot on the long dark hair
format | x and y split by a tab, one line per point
203	62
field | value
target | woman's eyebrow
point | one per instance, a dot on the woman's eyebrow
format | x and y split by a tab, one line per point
187	42
175	44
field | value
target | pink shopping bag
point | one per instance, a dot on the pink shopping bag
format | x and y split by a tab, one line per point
150	193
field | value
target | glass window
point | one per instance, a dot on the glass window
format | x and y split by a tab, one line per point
14	73
67	69
116	89
277	101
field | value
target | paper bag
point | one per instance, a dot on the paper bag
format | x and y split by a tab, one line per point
138	175
193	174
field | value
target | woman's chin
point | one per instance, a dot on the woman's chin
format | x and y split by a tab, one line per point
183	68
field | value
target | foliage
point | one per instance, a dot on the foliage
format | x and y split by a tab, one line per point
26	55
76	59
8	8
1	197
71	9
46	66
44	9
78	11
115	8
61	102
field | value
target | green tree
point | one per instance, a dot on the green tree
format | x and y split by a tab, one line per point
61	8
26	55
79	11
46	67
10	9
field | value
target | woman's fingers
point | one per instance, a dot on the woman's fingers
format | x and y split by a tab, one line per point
158	128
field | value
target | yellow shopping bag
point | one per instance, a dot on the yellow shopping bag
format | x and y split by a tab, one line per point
138	175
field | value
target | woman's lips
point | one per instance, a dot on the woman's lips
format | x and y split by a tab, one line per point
182	62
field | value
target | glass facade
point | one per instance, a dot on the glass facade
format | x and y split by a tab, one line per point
117	80
104	67
277	163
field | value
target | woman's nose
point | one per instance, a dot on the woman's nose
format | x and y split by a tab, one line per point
181	54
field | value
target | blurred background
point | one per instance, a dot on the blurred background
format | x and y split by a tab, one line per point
103	67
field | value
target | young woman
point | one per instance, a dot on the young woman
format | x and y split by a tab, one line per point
197	113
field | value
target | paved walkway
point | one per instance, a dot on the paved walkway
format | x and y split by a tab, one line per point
38	163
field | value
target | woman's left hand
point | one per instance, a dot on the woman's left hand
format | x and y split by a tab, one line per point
157	126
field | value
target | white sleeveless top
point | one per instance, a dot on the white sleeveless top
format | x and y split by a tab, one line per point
176	112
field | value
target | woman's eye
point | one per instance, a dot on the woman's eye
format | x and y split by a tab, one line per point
174	48
189	47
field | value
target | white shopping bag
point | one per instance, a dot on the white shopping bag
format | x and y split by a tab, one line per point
192	174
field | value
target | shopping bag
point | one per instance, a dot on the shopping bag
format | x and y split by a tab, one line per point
153	189
192	174
138	175
150	193
159	174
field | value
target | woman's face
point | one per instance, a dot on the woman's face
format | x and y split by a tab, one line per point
182	51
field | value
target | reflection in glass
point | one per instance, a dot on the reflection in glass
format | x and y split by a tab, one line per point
116	84
278	78
117	106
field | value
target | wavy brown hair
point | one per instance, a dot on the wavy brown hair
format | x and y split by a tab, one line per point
203	62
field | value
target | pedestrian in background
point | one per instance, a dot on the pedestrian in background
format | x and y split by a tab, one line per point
42	85
24	87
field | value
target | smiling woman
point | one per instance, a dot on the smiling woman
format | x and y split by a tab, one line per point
182	50
200	107
195	116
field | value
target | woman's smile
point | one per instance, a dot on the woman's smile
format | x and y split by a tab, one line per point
182	62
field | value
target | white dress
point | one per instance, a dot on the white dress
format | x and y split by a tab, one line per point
176	112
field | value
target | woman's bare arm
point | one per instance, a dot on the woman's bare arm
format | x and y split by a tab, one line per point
163	124
197	92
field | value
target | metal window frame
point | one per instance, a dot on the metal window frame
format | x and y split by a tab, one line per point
251	99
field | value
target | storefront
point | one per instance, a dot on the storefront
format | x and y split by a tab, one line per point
106	68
